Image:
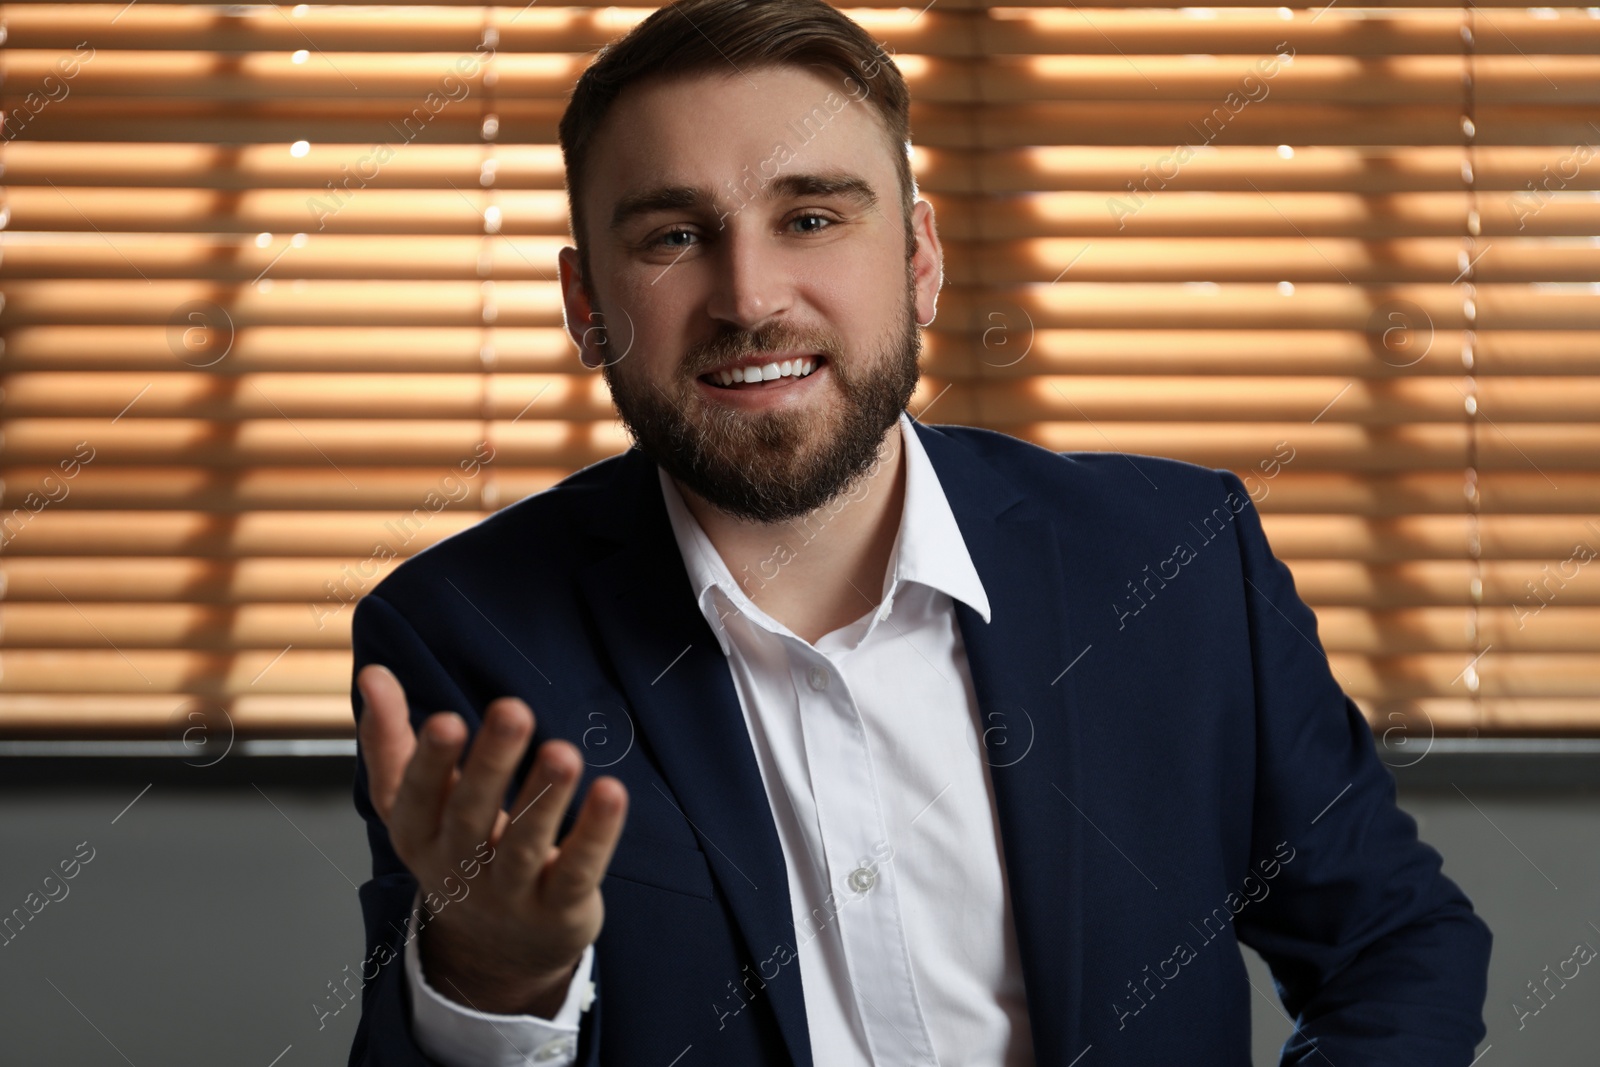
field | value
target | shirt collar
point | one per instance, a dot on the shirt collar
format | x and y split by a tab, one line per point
928	547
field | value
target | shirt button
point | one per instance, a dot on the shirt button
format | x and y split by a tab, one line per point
552	1049
862	879
818	677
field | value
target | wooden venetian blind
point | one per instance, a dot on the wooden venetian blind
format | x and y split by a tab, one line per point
279	310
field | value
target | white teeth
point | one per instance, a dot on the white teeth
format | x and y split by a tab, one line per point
789	368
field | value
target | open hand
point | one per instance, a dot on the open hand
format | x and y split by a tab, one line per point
518	909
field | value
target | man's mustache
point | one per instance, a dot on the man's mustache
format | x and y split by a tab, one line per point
734	345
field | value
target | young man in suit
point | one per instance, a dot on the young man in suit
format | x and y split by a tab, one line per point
896	744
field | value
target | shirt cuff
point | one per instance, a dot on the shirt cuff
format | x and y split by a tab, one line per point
460	1036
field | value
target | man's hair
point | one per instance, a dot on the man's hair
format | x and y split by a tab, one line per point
692	37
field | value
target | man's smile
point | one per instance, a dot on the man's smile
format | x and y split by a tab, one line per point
757	371
769	378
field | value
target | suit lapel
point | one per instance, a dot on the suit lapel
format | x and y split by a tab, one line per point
1027	702
687	709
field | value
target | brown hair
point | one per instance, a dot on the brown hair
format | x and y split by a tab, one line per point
695	36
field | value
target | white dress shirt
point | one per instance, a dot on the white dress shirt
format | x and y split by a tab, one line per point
869	748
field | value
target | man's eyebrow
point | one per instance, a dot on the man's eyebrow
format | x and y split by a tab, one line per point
661	198
688	197
831	184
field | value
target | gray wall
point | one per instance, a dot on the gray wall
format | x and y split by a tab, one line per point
217	908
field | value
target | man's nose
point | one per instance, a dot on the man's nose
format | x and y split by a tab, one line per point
752	282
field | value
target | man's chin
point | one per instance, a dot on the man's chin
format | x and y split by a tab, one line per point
770	477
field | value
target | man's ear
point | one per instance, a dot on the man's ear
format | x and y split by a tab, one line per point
927	262
583	324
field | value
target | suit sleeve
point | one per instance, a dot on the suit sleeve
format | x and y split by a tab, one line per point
1376	953
385	1037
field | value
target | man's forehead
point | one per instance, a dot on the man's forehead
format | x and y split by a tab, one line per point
669	92
679	143
690	128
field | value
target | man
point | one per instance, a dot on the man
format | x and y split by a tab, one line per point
896	744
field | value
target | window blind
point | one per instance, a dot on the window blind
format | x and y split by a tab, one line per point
279	309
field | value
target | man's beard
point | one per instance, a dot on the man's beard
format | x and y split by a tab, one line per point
778	465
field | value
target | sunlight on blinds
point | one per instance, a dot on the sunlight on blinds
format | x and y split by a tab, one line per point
279	310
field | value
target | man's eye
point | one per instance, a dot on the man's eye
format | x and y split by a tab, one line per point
666	238
661	240
809	217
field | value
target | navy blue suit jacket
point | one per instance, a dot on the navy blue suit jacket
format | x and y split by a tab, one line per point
1176	770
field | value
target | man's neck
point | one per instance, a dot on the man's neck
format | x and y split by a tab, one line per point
825	570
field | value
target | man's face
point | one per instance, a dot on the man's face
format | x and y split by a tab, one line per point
752	220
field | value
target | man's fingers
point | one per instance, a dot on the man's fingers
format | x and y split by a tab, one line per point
414	820
535	816
419	791
387	740
469	812
587	849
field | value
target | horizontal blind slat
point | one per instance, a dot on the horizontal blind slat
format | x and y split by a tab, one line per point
1312	168
955	29
1003	348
